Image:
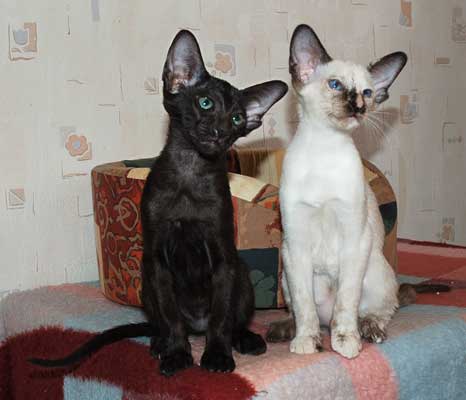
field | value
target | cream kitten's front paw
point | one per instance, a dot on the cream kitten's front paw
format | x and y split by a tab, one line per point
348	344
305	344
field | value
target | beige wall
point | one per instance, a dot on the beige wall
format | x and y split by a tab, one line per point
80	85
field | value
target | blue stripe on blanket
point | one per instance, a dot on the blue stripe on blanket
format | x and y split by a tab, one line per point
104	320
432	309
79	389
423	358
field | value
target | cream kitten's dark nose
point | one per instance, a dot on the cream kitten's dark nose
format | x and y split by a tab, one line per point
356	104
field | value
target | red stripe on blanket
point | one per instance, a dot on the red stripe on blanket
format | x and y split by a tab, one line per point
125	364
454	298
371	374
430	244
435	263
427	265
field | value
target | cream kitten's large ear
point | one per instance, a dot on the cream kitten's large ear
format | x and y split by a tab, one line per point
184	66
258	99
306	54
384	72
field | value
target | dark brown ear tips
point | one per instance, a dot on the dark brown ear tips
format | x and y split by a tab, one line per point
384	73
184	66
258	99
306	54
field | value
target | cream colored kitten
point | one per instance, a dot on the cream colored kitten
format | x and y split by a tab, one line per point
335	271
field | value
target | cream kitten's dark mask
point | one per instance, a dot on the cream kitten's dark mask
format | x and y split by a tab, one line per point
341	91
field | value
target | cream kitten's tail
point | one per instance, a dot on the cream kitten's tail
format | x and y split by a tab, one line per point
408	291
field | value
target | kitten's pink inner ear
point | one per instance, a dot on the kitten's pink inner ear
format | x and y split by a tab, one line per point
179	78
176	82
305	72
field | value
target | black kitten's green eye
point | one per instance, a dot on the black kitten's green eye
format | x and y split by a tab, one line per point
237	119
205	103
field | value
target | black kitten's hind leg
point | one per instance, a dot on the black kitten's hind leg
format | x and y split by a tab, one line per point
244	341
247	342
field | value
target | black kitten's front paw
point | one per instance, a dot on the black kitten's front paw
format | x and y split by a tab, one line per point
217	361
157	346
174	362
248	342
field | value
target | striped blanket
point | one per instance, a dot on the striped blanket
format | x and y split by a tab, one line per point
423	358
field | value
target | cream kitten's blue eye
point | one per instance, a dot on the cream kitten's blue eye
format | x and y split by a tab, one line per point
237	119
367	93
335	84
205	103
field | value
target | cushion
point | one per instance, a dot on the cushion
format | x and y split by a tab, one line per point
254	179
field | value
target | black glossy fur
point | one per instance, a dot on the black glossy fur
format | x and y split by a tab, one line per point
193	280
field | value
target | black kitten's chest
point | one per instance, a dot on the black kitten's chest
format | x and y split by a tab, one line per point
186	189
192	196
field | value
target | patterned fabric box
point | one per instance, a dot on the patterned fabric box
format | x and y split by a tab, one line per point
254	178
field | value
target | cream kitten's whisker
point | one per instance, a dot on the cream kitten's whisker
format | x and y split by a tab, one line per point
380	134
374	131
382	126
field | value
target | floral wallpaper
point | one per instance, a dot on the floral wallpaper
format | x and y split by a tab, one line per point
81	86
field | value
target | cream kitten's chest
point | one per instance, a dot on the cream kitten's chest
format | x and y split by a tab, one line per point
321	171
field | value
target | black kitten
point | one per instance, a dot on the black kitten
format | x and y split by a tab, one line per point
193	280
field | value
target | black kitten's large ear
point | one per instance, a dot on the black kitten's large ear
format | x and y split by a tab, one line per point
306	54
259	98
184	66
384	72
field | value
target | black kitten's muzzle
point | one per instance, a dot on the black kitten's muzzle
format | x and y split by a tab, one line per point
215	134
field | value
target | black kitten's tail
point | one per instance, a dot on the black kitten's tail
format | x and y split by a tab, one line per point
407	291
97	342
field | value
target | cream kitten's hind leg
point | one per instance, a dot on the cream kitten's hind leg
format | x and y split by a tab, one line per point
372	329
379	299
285	329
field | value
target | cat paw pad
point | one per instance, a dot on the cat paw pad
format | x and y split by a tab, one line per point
348	344
215	361
305	344
171	363
371	330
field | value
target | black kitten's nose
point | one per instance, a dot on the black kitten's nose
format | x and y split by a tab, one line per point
215	132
